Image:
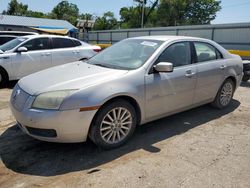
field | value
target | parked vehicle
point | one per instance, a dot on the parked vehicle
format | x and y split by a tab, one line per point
133	82
6	38
246	70
17	33
28	54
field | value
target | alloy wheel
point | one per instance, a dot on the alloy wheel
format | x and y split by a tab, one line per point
116	125
226	94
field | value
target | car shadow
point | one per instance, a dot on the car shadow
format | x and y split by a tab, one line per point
25	155
245	84
10	84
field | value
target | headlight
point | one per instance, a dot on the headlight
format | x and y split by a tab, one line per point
51	100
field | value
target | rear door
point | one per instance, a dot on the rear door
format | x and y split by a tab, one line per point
210	71
64	51
173	91
38	57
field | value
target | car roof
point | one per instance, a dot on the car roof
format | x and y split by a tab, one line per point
17	33
44	35
169	37
9	36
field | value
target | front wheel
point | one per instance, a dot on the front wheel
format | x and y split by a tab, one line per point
224	95
114	124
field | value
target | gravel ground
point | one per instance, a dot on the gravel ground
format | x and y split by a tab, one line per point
203	147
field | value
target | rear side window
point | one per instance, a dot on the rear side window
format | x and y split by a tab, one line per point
63	43
37	44
77	43
206	52
179	54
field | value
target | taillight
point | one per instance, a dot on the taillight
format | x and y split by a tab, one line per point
97	49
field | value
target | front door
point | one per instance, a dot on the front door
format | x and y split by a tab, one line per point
38	57
170	92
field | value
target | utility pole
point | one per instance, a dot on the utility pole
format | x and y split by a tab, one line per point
142	13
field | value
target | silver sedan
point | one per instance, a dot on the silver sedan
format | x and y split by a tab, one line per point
133	82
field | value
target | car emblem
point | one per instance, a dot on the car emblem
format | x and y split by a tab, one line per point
16	94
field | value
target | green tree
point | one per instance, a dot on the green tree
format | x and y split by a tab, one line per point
131	17
171	12
106	22
35	14
181	12
16	9
65	11
201	11
19	9
86	16
148	9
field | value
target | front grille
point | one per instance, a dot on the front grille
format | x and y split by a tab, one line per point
19	98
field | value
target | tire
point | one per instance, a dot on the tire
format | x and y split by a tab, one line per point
224	95
245	78
3	78
107	130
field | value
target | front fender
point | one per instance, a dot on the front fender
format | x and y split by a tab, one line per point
99	94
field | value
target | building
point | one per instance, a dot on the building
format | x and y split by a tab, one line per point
40	25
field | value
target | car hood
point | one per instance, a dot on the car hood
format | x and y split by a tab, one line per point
75	75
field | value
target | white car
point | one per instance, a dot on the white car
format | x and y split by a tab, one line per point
28	54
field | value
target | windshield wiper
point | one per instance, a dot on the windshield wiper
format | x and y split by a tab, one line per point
101	65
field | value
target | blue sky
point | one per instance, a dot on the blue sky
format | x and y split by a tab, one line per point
233	11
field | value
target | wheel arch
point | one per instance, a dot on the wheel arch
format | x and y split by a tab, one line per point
127	98
233	79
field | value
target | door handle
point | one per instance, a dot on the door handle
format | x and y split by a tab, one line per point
46	54
189	73
222	67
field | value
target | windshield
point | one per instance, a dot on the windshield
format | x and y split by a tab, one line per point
12	44
127	54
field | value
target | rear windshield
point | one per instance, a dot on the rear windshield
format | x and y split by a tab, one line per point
12	44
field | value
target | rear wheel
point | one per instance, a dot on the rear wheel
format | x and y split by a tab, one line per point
224	95
113	125
3	78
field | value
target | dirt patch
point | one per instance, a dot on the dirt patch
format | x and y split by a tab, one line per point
203	147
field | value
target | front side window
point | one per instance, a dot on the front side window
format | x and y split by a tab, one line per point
206	52
128	54
37	44
12	44
63	43
178	54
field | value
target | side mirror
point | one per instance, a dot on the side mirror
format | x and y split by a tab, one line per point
164	67
22	49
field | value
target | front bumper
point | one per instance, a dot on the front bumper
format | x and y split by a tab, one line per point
69	125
